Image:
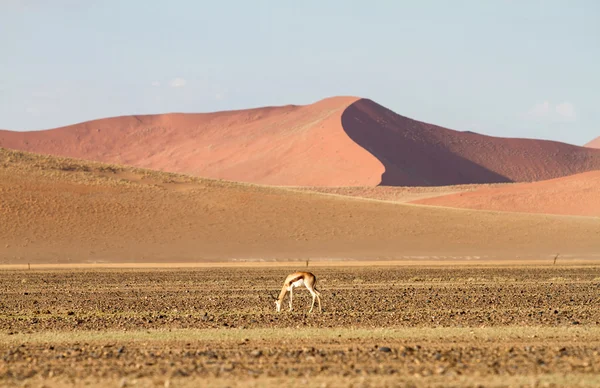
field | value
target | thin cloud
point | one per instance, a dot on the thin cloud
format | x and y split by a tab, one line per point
540	110
177	83
221	94
155	84
566	110
547	111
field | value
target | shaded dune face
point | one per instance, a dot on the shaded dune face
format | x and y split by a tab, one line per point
413	153
420	154
338	141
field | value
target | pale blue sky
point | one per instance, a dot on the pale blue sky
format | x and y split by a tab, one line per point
505	68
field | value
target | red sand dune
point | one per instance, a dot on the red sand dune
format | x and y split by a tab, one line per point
288	145
420	154
573	195
594	143
341	141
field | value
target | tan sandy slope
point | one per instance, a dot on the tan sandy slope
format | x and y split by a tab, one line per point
594	143
573	195
61	210
400	194
340	141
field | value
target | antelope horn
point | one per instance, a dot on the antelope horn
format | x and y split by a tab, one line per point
276	296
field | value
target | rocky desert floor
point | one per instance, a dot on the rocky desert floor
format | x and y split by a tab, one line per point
462	325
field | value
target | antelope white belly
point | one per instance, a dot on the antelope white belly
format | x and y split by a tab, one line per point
297	283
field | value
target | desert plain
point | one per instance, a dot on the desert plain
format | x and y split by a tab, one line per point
145	250
461	325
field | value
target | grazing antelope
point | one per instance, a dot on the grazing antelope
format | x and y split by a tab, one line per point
297	279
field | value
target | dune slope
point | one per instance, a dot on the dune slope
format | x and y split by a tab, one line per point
56	210
340	141
578	194
287	145
594	143
420	154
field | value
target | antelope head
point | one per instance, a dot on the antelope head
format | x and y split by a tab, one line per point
277	302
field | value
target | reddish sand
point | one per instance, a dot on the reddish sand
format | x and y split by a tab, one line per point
594	143
573	195
341	141
288	145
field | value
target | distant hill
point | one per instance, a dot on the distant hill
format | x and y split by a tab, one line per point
577	194
594	143
340	141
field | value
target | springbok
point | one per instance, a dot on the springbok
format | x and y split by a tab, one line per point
297	279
